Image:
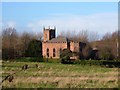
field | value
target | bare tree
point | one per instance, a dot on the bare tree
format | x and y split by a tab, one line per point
25	39
83	36
87	51
107	36
38	36
15	45
75	36
9	42
0	47
105	53
93	36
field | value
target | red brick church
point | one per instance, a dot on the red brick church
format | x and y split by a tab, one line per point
52	45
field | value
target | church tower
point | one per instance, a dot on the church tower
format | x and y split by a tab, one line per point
49	33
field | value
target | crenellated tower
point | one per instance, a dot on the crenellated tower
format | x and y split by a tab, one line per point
49	33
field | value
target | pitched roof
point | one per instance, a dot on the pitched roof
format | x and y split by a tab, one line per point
59	39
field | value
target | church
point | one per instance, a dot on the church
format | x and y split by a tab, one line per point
52	45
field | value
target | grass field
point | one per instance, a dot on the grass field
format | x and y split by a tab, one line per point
56	75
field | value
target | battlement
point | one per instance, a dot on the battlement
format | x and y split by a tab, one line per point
49	33
45	29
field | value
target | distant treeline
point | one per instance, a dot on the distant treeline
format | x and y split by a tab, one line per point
15	45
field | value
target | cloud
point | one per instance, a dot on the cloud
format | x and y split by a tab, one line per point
11	24
100	22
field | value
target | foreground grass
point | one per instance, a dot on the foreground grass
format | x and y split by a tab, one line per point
56	75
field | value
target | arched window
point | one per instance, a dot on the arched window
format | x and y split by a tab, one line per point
47	52
54	52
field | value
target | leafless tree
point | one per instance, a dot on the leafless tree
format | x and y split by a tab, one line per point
25	39
0	47
38	36
93	36
107	36
9	40
81	35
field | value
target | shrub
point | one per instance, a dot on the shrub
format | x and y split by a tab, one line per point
66	61
87	51
30	59
34	49
105	53
65	56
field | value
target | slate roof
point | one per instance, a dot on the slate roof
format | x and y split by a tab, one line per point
58	39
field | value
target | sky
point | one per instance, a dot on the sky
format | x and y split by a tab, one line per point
100	17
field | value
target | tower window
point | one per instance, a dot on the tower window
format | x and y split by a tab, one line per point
54	55
47	52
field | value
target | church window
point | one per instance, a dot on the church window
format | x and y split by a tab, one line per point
54	52
47	52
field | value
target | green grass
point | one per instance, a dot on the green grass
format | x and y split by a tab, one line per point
57	75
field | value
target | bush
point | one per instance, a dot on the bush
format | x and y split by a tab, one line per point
34	49
99	63
30	59
105	53
66	61
65	54
87	51
5	54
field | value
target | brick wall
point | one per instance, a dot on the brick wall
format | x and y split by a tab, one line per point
51	46
74	46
